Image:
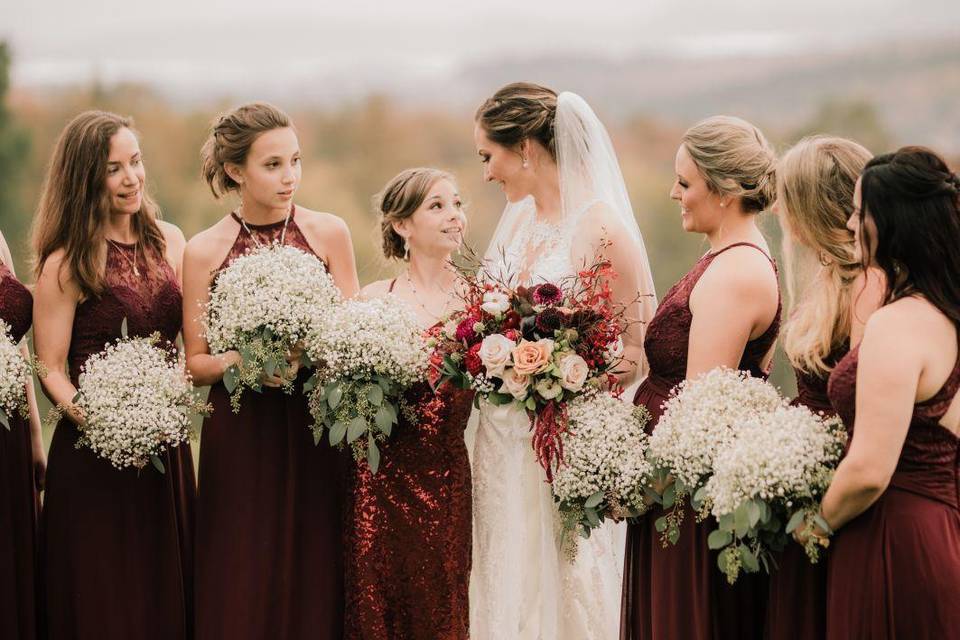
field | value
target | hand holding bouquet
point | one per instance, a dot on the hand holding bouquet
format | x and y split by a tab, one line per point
263	305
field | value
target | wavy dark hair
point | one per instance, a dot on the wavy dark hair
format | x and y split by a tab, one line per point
914	200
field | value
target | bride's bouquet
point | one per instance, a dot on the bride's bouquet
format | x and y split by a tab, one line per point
368	353
14	374
774	472
604	471
263	305
137	401
537	347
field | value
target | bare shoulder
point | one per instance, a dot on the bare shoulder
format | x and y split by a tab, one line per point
378	289
172	233
212	241
743	270
56	271
321	222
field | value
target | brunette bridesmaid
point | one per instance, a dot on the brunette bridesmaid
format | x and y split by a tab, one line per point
116	545
832	299
894	568
269	545
408	527
22	467
724	312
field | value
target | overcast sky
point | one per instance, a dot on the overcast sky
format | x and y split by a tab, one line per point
232	41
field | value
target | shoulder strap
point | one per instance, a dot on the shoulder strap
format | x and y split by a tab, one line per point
746	244
392	284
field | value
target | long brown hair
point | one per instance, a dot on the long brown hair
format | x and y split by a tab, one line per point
74	204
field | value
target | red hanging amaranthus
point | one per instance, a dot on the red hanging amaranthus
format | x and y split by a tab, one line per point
548	424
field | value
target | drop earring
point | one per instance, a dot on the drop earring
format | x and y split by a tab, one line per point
406	249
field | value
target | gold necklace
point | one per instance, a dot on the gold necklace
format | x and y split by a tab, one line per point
416	297
283	233
120	249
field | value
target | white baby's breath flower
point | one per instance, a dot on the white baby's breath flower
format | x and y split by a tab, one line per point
14	374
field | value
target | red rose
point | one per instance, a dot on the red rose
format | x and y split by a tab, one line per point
465	332
472	360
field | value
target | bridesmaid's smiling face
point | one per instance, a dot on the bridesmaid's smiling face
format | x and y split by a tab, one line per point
125	173
502	165
700	210
271	173
436	227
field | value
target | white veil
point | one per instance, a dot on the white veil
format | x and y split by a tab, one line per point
592	192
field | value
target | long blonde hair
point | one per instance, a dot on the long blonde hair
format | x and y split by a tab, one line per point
815	184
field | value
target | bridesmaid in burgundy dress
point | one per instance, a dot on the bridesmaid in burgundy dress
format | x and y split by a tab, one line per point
22	465
724	311
894	568
116	545
408	529
269	540
833	297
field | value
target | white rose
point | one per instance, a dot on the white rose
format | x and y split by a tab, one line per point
614	351
495	302
515	384
549	388
573	372
495	353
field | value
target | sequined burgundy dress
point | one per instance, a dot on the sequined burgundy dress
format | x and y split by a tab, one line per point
894	570
678	592
269	515
408	529
18	496
797	607
117	545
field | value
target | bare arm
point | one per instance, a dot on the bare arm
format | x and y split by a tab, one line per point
735	300
56	296
176	244
341	260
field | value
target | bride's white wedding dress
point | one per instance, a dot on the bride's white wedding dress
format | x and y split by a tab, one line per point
522	585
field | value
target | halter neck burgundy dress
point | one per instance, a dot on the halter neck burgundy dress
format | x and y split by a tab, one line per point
797	607
678	592
269	515
118	545
894	570
408	536
18	496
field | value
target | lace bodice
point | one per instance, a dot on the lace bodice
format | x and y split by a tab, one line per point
149	302
16	303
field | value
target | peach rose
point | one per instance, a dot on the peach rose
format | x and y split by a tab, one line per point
530	358
573	372
515	384
495	353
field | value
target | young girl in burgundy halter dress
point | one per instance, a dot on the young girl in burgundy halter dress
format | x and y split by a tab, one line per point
269	545
894	569
724	311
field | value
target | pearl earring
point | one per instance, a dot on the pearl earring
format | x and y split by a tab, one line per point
525	165
406	249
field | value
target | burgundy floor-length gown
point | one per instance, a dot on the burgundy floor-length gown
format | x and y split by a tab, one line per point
797	607
894	570
18	496
678	592
117	545
408	528
269	515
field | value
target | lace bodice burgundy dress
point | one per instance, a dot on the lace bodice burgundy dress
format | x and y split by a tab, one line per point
269	517
677	591
797	607
894	570
18	496
118	545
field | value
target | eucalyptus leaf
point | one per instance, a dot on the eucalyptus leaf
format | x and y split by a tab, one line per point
741	520
673	535
306	360
373	455
750	562
669	496
310	384
4	420
317	436
231	378
726	522
719	539
795	520
592	517
334	396
357	428
270	366
383	420
594	500
337	432
753	512
660	524
375	395
531	404
123	329
158	464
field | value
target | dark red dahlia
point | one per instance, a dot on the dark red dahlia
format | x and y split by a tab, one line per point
547	294
549	320
511	320
472	360
465	332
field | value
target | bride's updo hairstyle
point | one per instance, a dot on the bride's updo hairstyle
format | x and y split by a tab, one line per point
735	160
230	139
400	199
519	111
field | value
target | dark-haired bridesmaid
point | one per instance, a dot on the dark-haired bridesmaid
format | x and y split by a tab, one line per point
724	312
832	299
117	546
22	468
409	526
269	522
894	503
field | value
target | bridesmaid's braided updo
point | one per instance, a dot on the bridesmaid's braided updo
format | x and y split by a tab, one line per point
400	199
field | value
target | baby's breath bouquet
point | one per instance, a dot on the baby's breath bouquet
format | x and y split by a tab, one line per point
368	352
604	470
263	305
137	401
774	471
14	374
699	419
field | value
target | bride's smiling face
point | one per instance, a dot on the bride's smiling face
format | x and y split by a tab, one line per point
700	209
502	165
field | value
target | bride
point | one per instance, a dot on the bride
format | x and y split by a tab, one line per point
566	207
